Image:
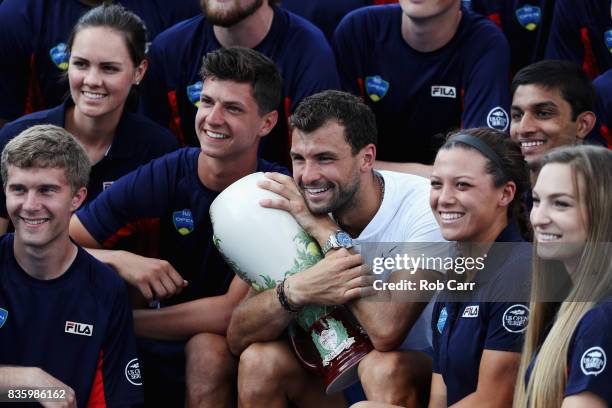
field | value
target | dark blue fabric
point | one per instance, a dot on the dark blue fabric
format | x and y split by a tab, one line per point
603	110
463	330
569	18
30	29
34	331
403	86
137	141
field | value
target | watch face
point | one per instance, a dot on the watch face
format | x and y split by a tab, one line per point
344	239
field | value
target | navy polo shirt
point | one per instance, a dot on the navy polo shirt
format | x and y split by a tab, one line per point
33	36
77	327
463	330
169	188
417	97
137	141
602	132
172	86
525	24
581	31
588	356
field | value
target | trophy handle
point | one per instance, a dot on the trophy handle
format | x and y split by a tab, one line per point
304	350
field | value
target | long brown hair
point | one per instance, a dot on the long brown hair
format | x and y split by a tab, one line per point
592	281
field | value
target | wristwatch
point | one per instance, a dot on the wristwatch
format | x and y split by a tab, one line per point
338	239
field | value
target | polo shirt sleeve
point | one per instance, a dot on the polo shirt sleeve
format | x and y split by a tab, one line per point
121	377
589	355
486	96
144	193
506	326
15	53
316	71
564	36
347	42
154	93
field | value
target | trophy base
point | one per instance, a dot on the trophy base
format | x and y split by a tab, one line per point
342	373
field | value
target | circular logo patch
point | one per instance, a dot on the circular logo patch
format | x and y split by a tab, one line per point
132	372
498	119
593	361
515	318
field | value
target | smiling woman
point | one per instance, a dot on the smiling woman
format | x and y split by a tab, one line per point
567	347
107	59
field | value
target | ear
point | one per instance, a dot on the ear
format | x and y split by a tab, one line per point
140	70
78	199
507	195
268	122
368	157
584	124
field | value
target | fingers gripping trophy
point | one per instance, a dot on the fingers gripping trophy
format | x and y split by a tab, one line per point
264	246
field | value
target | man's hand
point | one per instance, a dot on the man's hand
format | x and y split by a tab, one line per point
319	227
336	279
34	377
154	278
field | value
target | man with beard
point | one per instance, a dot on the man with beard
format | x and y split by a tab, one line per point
172	86
33	46
333	153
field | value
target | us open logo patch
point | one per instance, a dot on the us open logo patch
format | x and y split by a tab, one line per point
441	91
183	221
442	320
515	318
132	372
376	87
59	56
3	316
193	93
593	361
608	39
498	119
470	311
529	16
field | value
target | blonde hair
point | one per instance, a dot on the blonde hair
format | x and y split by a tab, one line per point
592	281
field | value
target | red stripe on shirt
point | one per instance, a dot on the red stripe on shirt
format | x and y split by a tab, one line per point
175	118
34	99
607	135
589	65
148	236
97	398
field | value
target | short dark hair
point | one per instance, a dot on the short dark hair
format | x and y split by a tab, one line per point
568	77
116	17
245	65
348	110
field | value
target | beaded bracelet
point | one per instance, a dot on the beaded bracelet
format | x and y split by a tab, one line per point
282	298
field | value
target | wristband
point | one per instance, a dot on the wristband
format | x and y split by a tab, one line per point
282	298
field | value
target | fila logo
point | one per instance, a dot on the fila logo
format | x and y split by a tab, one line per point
79	328
440	91
470	311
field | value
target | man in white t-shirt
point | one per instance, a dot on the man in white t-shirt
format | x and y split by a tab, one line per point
333	153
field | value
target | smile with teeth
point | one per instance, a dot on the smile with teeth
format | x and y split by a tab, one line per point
316	190
450	216
34	221
93	95
548	236
532	143
216	135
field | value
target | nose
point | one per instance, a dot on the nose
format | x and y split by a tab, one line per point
539	215
310	173
446	196
526	124
92	78
215	115
31	202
